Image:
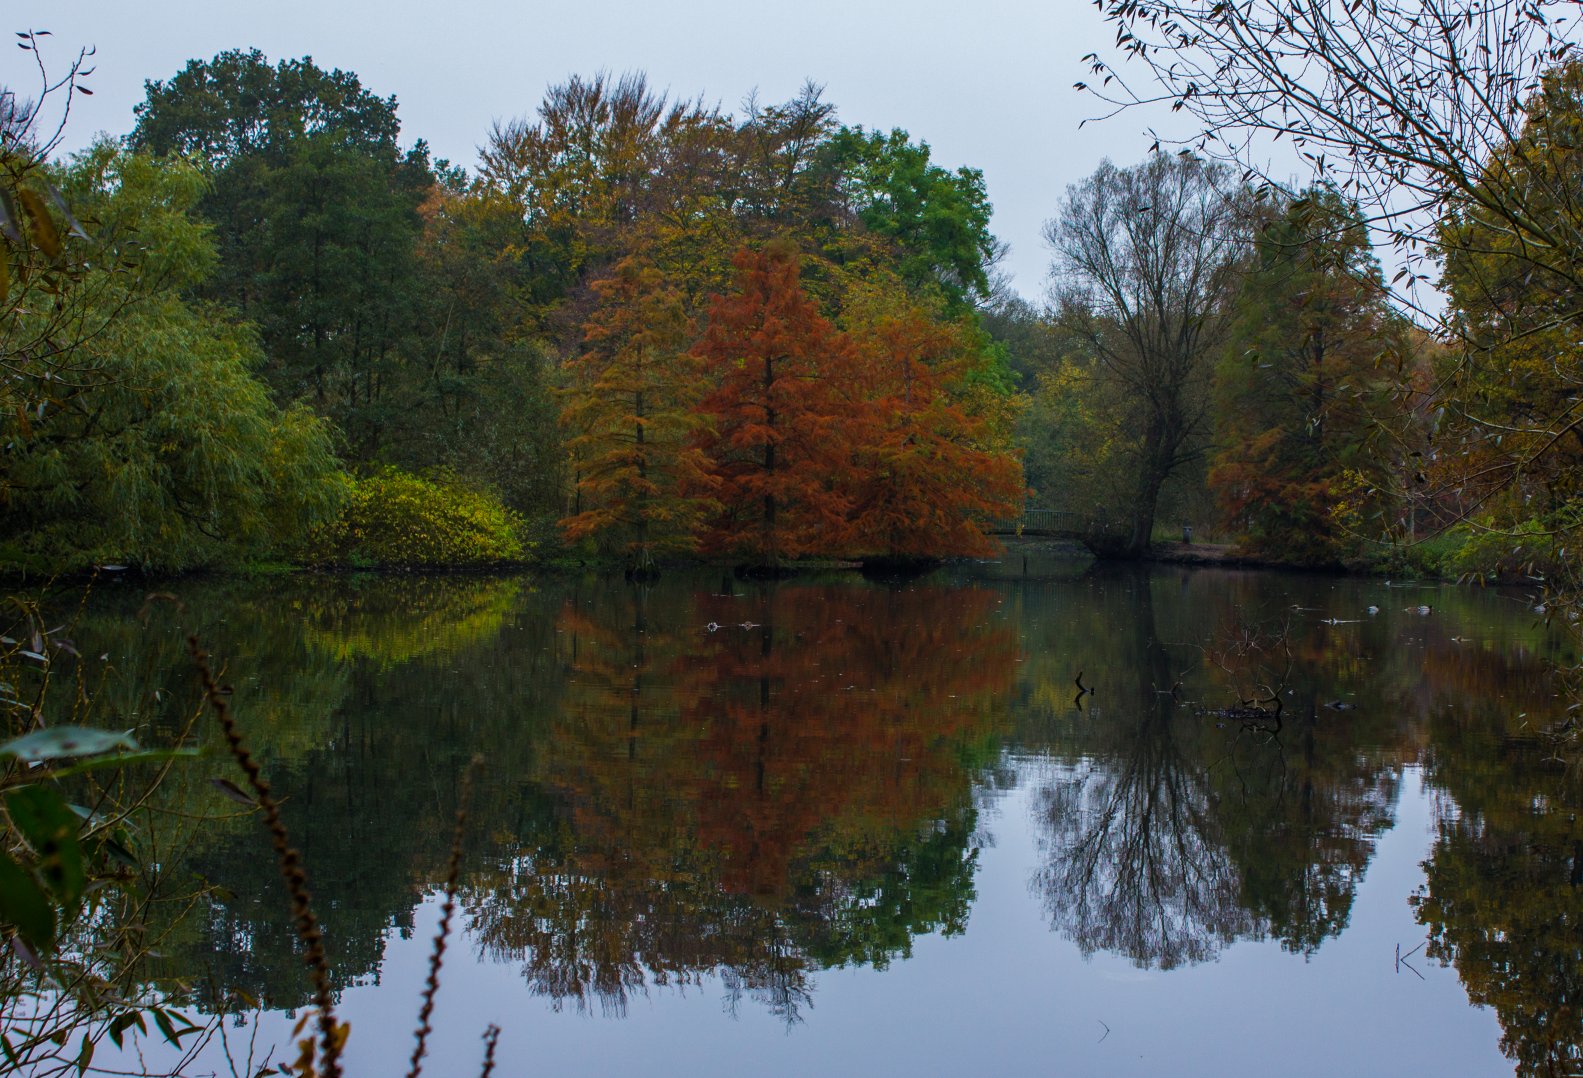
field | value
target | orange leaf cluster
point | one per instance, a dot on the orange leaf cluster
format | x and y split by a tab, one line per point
803	438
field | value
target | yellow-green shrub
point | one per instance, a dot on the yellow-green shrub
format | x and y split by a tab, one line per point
394	518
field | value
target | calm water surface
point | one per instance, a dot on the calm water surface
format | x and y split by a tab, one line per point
833	826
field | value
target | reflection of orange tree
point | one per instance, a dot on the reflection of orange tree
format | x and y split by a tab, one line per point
758	802
836	721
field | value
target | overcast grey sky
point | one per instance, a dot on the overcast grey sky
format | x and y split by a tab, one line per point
986	84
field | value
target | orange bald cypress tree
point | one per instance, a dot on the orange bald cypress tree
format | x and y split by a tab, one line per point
782	415
631	411
928	478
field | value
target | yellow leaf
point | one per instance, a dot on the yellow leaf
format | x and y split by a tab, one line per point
43	225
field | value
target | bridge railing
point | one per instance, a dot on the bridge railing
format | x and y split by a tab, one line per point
1043	521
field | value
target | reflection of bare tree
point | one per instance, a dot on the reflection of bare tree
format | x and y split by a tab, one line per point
1136	865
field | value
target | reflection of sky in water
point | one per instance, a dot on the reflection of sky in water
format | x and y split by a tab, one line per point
599	750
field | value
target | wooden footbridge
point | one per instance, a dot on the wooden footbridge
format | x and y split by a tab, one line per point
1048	524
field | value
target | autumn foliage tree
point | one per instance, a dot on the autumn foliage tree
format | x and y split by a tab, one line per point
632	420
1300	390
781	408
1514	420
926	478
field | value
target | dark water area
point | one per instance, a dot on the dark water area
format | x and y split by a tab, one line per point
829	825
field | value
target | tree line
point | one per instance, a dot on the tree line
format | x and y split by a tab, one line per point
259	326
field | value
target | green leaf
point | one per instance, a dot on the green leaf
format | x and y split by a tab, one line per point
44	231
85	1054
43	818
65	742
117	851
26	952
23	904
72	224
9	217
162	1020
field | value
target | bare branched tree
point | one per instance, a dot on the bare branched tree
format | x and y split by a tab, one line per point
31	127
1144	264
1457	128
1406	106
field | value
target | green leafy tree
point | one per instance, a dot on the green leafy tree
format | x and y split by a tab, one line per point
481	400
315	212
1072	441
174	455
938	219
1025	334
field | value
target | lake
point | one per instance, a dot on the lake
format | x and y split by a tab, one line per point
830	825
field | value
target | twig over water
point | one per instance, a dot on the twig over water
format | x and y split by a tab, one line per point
332	1035
431	985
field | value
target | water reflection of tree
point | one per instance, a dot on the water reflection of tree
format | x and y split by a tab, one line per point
1302	815
1503	900
1179	831
1136	861
786	793
366	750
1303	795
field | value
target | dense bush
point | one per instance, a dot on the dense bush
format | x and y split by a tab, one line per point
1481	552
1489	554
397	519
